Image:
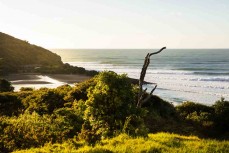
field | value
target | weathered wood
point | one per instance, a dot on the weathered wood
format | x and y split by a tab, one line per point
141	99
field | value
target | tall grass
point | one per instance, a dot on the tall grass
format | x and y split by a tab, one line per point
160	142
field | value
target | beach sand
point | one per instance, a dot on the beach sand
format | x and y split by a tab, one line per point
69	78
45	79
48	80
15	77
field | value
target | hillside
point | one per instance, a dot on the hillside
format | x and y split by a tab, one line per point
16	55
19	56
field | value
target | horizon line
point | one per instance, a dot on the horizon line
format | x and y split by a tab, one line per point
131	48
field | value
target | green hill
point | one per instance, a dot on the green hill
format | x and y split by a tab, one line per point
16	55
19	56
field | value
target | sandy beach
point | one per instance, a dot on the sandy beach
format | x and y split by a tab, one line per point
45	79
69	78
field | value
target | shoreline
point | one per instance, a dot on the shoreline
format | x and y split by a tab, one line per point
35	78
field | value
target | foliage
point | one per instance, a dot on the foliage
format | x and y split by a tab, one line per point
5	86
101	108
160	142
160	107
187	108
135	126
65	69
20	56
72	118
43	101
161	116
28	131
79	92
109	104
34	130
212	120
26	89
222	114
10	104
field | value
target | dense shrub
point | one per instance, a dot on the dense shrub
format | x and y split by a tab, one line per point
43	101
5	86
80	91
222	115
209	120
63	90
102	107
161	116
110	102
10	104
28	131
34	130
199	114
160	107
72	120
26	89
65	69
187	108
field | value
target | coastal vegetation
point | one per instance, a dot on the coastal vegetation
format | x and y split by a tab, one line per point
107	113
19	56
101	115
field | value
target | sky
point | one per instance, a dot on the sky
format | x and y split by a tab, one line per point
118	23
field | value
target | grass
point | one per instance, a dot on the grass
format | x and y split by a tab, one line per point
154	143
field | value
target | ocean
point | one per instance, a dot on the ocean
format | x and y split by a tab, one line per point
198	75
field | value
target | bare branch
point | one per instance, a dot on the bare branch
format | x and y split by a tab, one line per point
153	90
149	96
157	51
142	76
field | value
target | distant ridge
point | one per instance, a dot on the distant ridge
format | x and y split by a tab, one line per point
16	53
19	56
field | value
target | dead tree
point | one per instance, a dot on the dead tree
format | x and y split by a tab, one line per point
141	98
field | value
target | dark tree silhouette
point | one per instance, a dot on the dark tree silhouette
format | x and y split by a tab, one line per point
141	98
5	86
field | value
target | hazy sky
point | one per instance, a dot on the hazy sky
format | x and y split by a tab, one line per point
118	23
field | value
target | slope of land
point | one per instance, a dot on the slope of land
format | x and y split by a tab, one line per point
17	55
160	142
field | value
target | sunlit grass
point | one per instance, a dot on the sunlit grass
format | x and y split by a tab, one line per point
160	142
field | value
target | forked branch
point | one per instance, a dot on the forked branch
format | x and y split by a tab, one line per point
141	99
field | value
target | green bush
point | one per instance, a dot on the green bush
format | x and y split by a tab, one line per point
161	116
160	107
72	120
188	108
34	130
63	90
222	115
201	115
26	89
10	104
43	101
5	86
135	126
110	101
79	92
203	118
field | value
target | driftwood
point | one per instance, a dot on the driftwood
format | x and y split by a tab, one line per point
141	98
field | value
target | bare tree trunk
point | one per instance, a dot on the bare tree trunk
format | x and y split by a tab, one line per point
141	99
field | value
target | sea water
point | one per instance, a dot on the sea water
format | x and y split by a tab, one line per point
198	75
